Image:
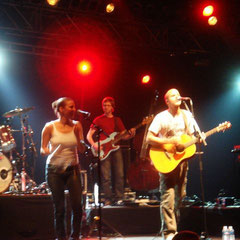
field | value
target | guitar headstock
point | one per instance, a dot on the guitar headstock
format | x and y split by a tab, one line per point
147	119
224	126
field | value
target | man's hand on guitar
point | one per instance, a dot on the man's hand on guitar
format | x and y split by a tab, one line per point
203	136
95	146
179	147
132	132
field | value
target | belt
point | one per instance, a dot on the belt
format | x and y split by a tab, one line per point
71	168
56	168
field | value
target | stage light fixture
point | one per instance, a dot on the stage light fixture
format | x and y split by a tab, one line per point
110	7
52	2
208	11
212	21
146	79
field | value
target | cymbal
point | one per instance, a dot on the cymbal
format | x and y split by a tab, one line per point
17	112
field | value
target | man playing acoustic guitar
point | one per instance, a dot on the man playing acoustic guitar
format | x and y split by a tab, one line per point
167	128
112	155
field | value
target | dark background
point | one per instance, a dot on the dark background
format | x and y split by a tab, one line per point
206	72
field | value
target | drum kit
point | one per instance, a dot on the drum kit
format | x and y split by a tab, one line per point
13	174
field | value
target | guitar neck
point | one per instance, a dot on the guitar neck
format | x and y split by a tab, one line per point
212	131
118	138
195	140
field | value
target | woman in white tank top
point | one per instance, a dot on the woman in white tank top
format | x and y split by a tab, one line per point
61	141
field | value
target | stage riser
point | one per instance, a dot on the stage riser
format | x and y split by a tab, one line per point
32	218
146	220
28	218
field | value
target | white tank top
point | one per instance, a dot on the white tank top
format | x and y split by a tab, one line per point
63	148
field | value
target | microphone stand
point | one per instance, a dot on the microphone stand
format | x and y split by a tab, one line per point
98	132
33	149
204	235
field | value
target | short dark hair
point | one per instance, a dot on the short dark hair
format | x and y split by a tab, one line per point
109	99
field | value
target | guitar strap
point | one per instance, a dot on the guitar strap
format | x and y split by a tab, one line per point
185	123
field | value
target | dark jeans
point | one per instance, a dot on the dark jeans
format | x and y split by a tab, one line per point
57	182
173	190
113	161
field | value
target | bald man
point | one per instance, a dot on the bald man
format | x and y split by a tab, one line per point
166	128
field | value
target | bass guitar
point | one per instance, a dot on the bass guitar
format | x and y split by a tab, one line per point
108	145
166	158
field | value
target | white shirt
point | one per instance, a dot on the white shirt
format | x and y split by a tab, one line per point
63	148
166	125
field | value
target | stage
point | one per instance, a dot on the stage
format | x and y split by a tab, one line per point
30	216
147	237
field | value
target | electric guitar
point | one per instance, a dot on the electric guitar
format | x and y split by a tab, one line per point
108	145
166	158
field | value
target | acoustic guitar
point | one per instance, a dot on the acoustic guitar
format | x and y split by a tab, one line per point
166	158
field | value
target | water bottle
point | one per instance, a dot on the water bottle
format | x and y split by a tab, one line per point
225	233
231	233
23	180
87	202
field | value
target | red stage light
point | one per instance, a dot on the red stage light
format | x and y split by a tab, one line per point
146	79
83	64
208	11
84	67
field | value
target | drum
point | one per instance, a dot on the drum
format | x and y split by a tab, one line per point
7	140
6	173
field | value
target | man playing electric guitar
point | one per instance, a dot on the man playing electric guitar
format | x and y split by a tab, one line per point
167	128
110	124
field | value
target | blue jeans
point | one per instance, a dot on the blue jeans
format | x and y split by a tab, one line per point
113	161
57	181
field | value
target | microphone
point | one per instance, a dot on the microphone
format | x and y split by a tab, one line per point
184	98
83	112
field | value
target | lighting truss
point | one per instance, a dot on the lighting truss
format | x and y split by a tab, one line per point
24	23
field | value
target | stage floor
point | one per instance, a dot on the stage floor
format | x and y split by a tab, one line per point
30	217
142	238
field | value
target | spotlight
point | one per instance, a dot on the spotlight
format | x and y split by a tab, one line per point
146	79
212	21
238	82
208	11
52	2
3	60
110	7
84	67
